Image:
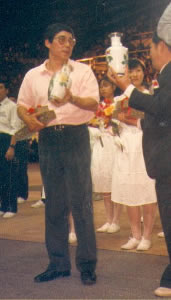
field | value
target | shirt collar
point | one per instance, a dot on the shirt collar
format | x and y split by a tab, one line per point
3	102
163	68
44	69
43	66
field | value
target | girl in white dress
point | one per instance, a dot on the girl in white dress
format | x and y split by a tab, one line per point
103	154
131	185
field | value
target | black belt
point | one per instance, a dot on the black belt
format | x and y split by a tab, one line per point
62	127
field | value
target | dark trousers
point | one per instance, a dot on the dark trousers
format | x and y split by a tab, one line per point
65	167
8	169
21	153
163	190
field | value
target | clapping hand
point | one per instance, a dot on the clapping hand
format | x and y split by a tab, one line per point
59	102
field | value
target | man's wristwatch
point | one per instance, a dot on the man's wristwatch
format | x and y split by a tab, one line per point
12	146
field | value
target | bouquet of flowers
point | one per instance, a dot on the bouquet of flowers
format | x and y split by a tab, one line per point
103	119
45	117
103	114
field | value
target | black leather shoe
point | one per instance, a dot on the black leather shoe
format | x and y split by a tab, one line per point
88	277
50	275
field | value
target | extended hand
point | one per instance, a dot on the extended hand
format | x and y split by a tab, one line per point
121	81
121	116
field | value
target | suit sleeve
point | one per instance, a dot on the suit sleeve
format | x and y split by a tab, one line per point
158	105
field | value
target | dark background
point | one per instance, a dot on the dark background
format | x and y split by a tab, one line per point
23	21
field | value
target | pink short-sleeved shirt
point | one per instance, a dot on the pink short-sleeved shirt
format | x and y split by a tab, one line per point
34	92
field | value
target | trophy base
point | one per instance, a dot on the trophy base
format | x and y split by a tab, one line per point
120	74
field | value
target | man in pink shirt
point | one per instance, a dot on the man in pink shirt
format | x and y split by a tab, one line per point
64	154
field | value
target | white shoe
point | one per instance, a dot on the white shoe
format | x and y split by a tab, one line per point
131	244
20	200
113	228
161	234
103	228
1	213
144	245
38	204
9	214
72	237
163	292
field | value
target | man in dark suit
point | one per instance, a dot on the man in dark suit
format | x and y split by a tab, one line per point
156	127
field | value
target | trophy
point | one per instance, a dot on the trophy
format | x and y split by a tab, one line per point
117	54
59	82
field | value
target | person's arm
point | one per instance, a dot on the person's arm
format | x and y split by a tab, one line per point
9	155
88	92
30	120
158	105
87	103
26	99
88	96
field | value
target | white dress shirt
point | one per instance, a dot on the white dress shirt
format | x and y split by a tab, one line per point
9	121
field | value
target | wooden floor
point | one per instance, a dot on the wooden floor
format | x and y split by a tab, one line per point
28	224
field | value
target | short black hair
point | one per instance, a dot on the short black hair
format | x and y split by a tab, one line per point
5	82
106	78
156	40
53	29
134	63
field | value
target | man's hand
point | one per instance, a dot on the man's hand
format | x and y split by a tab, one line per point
125	118
33	123
121	81
121	116
59	102
10	153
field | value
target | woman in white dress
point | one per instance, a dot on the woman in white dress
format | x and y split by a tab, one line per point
103	153
131	185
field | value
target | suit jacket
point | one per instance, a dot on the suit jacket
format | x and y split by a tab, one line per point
156	125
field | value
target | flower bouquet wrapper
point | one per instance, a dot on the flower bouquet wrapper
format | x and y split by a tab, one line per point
122	106
45	116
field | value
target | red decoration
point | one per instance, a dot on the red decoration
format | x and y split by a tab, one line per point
32	110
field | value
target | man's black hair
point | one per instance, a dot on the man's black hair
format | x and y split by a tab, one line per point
4	82
156	40
55	28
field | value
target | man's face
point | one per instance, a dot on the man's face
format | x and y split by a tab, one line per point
62	45
155	55
3	92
